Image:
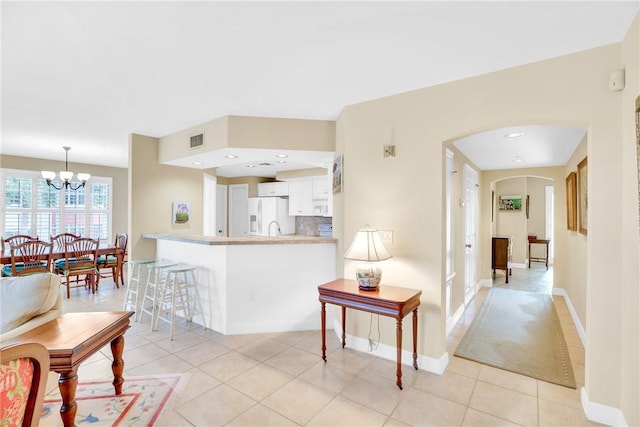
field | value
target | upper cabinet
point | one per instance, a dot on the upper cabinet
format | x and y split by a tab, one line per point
301	198
310	197
277	188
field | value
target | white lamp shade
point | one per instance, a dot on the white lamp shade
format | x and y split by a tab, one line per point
84	177
66	175
367	246
48	175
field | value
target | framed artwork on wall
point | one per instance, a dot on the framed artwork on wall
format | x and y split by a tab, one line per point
572	217
181	211
583	197
337	175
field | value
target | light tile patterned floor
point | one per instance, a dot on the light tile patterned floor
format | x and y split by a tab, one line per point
279	379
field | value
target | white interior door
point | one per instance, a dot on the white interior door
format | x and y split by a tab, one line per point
209	205
470	194
221	210
238	210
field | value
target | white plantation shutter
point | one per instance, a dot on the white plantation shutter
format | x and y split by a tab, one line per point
31	207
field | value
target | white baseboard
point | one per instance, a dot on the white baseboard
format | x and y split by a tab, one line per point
600	413
594	411
518	265
453	320
426	363
576	320
487	283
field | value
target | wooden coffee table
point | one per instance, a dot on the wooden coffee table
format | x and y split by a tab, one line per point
73	338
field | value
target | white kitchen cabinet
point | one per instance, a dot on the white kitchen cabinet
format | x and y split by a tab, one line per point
321	189
321	196
301	198
276	188
310	197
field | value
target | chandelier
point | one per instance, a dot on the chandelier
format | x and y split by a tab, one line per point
65	176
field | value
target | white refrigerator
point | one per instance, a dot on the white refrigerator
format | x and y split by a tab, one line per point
270	214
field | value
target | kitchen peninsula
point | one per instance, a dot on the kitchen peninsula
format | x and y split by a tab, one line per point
255	284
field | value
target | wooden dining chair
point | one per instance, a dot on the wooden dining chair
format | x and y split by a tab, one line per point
60	239
113	263
10	242
30	257
24	368
18	238
80	258
58	242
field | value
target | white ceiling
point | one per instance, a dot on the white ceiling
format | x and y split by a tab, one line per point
87	74
521	147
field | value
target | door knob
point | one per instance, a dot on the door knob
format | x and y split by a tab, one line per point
467	245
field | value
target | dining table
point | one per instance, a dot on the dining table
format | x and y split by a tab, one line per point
104	248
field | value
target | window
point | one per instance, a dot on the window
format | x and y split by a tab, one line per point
31	207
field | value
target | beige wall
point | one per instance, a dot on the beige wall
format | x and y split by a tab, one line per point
512	223
176	145
285	134
405	193
251	132
120	206
153	189
515	223
575	279
629	300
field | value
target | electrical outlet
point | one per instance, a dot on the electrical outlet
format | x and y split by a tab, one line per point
389	151
386	236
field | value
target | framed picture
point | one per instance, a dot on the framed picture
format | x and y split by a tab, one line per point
181	211
583	197
337	175
572	217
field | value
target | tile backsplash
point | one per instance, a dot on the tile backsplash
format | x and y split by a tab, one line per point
309	225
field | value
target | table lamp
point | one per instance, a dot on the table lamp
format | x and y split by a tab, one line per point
367	247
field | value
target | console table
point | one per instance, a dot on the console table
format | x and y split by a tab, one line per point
74	337
544	242
388	301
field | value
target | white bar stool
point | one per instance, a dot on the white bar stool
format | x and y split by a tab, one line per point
153	290
180	293
133	283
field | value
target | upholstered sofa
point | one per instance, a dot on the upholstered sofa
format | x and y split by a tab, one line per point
27	302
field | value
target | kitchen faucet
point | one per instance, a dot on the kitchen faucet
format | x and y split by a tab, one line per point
277	225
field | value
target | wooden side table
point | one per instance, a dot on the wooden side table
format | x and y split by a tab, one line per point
73	338
544	242
388	301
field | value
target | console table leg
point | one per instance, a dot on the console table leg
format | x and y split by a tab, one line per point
323	321
415	339
344	326
67	383
399	353
117	347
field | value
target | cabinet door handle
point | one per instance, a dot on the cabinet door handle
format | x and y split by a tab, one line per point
467	245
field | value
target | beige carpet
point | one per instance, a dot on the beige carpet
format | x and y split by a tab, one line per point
520	332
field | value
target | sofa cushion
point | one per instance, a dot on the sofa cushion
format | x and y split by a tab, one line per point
25	297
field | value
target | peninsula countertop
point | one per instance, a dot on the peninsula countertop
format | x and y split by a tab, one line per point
253	240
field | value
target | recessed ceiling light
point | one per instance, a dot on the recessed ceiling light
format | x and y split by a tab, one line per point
518	159
230	156
282	161
282	156
251	166
514	135
196	163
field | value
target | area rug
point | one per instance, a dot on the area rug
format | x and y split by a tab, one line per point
141	403
519	332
